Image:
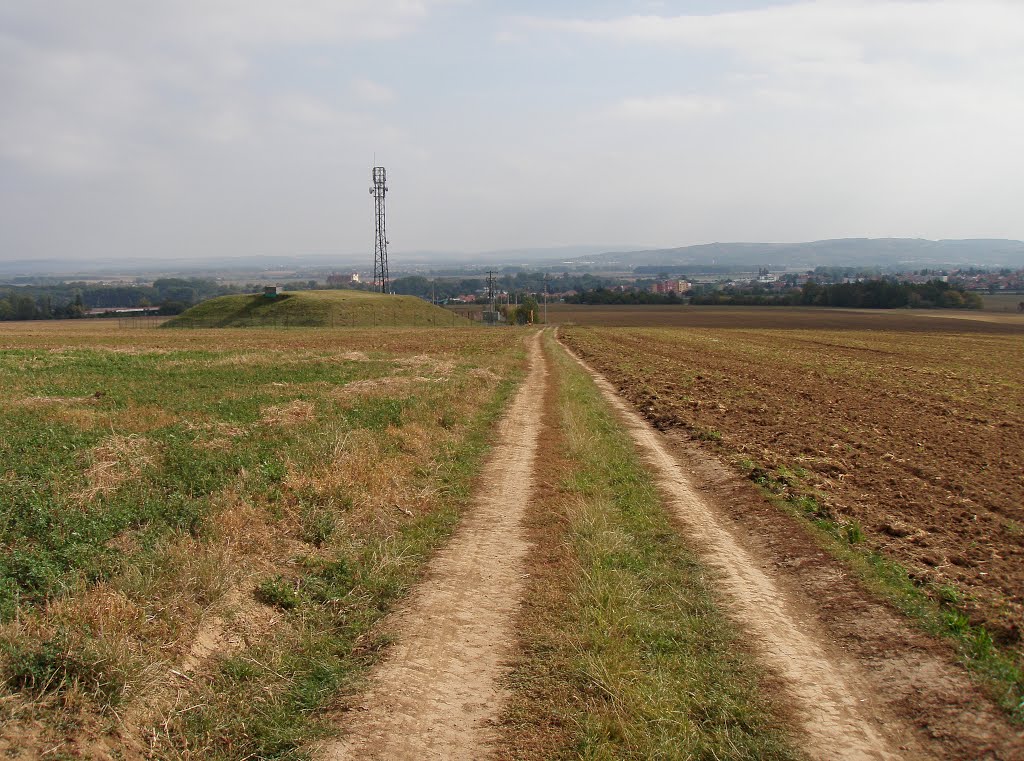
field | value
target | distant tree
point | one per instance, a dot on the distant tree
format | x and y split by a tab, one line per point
527	311
972	300
24	307
172	307
952	300
411	285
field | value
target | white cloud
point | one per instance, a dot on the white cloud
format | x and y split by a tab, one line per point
823	29
667	108
841	63
372	92
891	47
93	87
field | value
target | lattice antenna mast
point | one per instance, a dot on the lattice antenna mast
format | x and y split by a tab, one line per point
381	281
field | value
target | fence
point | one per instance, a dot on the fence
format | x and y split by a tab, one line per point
140	322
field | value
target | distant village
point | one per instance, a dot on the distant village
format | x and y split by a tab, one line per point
774	282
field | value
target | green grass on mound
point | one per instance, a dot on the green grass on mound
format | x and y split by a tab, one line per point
328	309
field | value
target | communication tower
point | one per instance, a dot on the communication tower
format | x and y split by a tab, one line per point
380	245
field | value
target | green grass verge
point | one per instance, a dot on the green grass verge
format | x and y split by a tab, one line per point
932	607
630	658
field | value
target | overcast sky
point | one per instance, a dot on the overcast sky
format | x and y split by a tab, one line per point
234	127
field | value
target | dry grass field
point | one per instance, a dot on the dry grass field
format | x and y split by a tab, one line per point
1002	302
199	528
905	440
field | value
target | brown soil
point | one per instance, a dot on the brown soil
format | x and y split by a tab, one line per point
787	318
863	683
438	692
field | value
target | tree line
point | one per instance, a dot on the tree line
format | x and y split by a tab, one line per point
609	296
70	300
520	282
884	293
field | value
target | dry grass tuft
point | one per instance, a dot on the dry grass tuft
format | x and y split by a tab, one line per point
78	412
111	463
49	401
143	418
241	528
436	365
216	428
123	643
215	435
375	387
132	350
100	611
245	360
482	373
297	411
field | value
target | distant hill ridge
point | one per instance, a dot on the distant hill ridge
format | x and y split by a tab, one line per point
840	252
316	309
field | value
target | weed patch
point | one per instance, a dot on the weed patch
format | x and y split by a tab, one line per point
61	665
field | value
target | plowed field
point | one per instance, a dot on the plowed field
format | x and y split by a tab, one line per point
914	441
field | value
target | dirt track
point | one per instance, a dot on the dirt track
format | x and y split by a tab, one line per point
438	691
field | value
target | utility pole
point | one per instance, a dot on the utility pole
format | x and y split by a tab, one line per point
545	298
490	315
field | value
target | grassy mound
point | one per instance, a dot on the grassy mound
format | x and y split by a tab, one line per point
316	309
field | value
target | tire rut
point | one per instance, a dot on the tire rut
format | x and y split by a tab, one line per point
437	694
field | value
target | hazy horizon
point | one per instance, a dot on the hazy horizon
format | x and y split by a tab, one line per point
217	129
